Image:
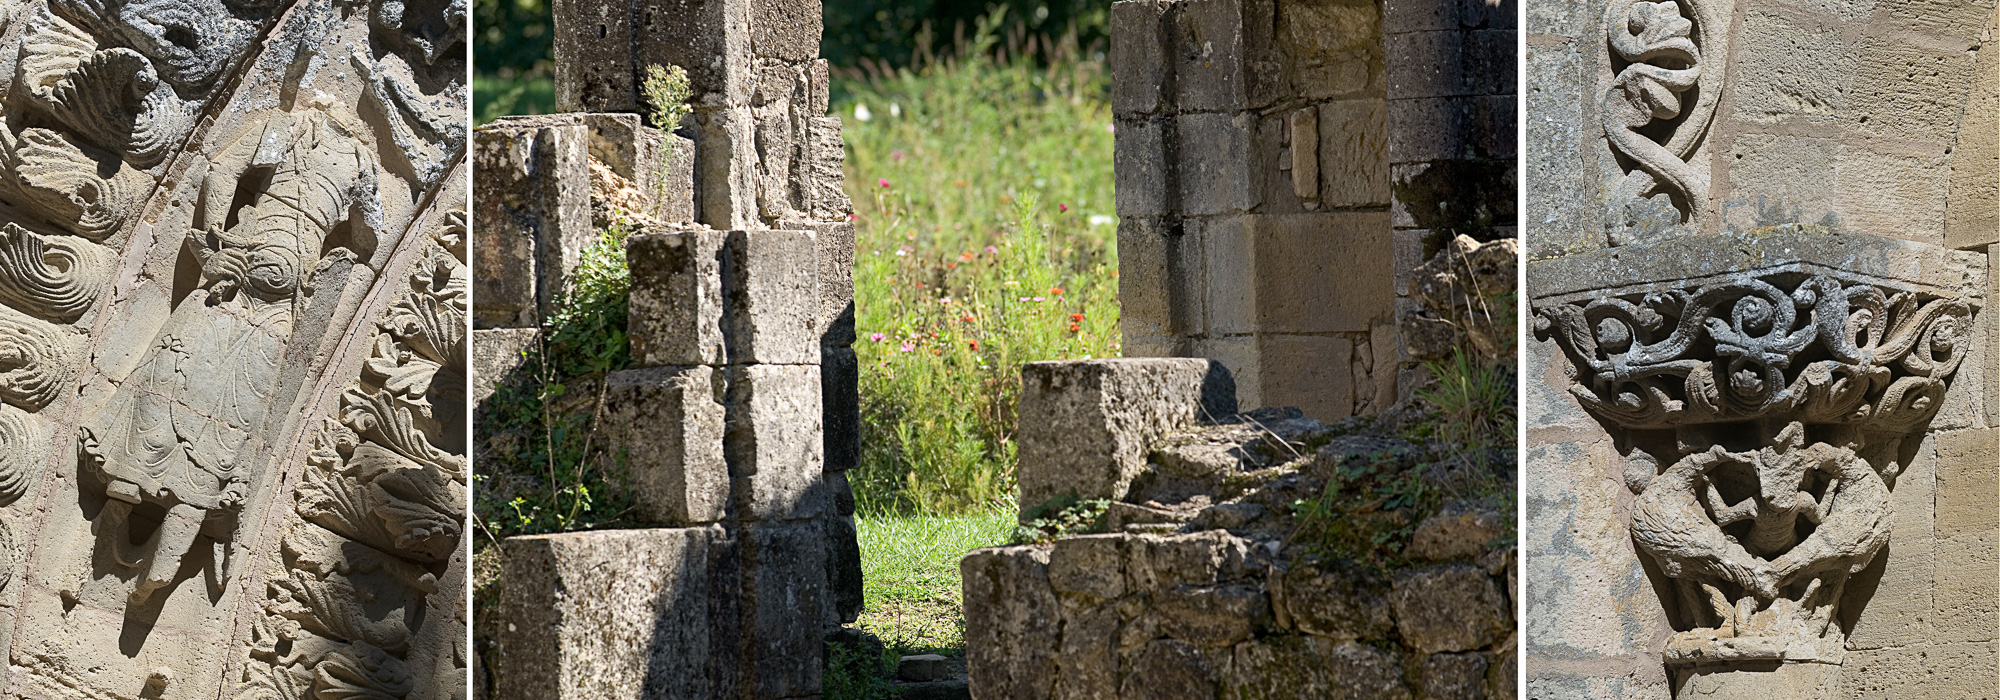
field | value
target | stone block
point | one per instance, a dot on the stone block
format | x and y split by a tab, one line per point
505	217
1312	668
833	323
1327	50
1087	660
1239	355
1138	57
497	354
660	165
1898	584
1170	669
711	39
843	566
1560	162
840	417
1085	425
1314	373
1449	63
1448	15
1160	562
1339	603
1212	616
783	599
1461	529
1206	47
592	45
1973	216
1144	176
614	614
1012	622
1791	66
1962	670
1230	258
1089	565
1354	153
1966	595
772	441
1454	676
1330	272
725	167
1911	91
771	297
674	316
1212	168
663	428
821	175
1146	286
1450	607
787	30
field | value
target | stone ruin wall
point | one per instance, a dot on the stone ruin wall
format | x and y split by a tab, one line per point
739	415
1283	170
1817	181
234	295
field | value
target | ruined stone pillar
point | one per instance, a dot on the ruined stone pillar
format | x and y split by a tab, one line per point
232	445
1253	195
1762	397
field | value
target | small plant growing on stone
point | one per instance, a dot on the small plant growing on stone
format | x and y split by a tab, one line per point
1061	517
1474	401
666	91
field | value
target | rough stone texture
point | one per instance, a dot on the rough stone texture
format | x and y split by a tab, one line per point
674	316
615	614
772	442
235	305
1011	623
1298	668
664	429
1085	424
1450	607
497	354
533	219
771	297
783	595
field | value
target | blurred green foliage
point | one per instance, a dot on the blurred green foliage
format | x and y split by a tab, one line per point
512	37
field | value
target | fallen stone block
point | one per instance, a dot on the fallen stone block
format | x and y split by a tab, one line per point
1085	426
665	427
615	615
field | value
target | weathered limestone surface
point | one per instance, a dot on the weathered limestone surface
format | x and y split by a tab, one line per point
1085	426
235	298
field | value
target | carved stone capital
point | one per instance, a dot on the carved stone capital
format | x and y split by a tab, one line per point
1760	386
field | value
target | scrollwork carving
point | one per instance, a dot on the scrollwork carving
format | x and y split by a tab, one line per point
21	441
1822	377
56	278
111	97
1661	52
66	183
38	360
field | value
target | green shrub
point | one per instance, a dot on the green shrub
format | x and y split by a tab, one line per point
666	94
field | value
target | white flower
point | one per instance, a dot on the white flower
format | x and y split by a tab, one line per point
1102	220
861	113
895	110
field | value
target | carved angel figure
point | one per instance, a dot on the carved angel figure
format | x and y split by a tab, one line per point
184	432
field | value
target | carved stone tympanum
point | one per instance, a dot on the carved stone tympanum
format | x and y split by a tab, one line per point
233	299
1763	415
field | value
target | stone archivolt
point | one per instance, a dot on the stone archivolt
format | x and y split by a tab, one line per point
1657	53
1787	394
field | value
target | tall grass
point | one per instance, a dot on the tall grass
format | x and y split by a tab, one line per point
985	240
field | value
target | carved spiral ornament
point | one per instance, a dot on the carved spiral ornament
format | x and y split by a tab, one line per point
21	440
1663	51
37	360
64	183
56	278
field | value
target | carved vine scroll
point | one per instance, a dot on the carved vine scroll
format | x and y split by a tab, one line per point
1657	50
1778	404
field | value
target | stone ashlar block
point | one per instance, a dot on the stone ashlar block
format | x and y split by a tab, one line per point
1147	287
839	385
834	240
710	39
1012	622
1329	272
1206	46
1160	562
1299	667
1450	607
1087	660
675	313
1170	669
1354	153
726	167
592	45
1138	57
772	442
664	427
783	599
505	216
843	567
1334	602
617	615
1089	565
1212	616
1145	179
771	297
787	30
497	353
1085	426
659	165
1212	164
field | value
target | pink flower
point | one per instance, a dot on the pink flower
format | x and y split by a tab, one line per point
877	337
897	154
990	250
908	347
884	182
1064	208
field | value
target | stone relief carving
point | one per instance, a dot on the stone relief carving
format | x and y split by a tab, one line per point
63	181
184	434
1778	404
1656	52
358	609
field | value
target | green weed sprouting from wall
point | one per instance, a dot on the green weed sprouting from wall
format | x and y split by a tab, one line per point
666	93
543	468
1474	401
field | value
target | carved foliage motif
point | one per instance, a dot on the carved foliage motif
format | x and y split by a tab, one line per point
1657	55
1778	403
379	512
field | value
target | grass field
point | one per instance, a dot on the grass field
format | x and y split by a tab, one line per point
910	565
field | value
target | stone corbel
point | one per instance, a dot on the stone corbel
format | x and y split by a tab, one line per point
1762	408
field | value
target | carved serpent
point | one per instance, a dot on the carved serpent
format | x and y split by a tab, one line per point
1664	49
